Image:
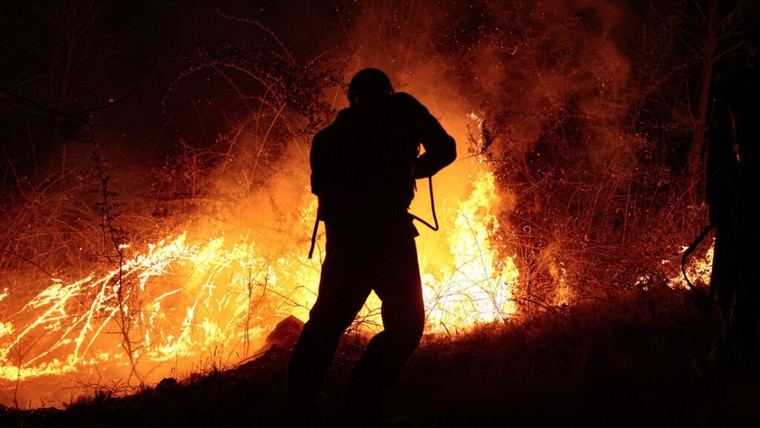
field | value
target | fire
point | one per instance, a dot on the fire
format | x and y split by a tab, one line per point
476	287
191	296
699	270
182	299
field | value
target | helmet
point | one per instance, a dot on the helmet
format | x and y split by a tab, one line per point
368	82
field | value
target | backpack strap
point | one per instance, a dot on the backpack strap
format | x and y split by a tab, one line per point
432	208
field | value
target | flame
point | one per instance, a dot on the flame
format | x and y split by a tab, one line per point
181	298
476	287
699	270
190	295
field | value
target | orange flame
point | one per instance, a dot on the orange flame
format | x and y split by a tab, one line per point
188	297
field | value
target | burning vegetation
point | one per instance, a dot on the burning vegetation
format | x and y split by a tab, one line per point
125	262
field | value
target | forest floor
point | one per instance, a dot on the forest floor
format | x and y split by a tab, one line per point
640	360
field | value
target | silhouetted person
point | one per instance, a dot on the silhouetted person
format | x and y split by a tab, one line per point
732	191
363	169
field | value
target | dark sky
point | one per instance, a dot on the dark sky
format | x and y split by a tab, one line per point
69	55
74	55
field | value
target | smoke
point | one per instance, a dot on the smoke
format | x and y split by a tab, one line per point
535	93
543	90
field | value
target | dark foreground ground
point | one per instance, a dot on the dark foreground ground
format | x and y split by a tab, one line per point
643	360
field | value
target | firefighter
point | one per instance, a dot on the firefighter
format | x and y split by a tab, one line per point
363	171
732	190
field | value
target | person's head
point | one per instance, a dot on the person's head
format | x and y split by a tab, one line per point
368	83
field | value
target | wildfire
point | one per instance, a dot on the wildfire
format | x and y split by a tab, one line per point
187	297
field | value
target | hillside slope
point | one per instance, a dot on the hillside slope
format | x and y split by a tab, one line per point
641	360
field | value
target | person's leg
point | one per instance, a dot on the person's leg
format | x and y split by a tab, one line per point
341	295
403	316
723	285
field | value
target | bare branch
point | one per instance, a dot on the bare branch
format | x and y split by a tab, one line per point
263	28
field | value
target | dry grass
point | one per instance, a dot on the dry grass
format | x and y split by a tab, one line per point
642	360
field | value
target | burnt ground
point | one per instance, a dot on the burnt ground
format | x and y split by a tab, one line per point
640	360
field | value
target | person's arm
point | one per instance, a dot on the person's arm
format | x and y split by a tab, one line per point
440	147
